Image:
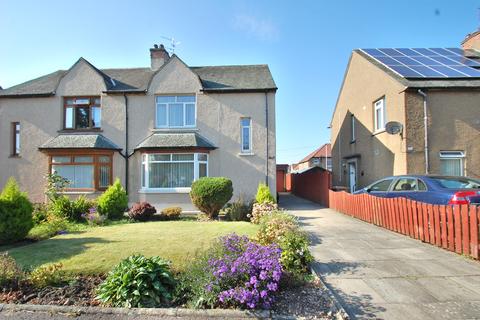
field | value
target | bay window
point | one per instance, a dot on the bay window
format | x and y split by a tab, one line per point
85	172
82	113
175	111
172	171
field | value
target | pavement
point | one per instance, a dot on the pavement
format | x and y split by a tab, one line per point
376	273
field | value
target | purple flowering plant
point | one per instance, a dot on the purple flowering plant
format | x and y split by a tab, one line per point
94	218
246	275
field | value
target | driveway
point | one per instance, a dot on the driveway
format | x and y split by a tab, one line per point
376	273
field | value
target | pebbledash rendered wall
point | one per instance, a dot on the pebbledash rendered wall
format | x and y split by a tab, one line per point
218	120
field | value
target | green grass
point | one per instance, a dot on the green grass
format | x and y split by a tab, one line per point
97	250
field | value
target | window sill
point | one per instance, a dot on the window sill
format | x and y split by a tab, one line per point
79	130
378	132
14	156
80	192
243	154
164	190
174	129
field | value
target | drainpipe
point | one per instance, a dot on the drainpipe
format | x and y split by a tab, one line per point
126	141
266	125
425	125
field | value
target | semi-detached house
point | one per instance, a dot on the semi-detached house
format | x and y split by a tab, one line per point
157	129
430	97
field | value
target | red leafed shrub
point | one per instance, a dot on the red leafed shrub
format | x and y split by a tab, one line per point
141	211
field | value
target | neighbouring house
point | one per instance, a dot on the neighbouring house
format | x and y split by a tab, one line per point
408	111
321	157
157	129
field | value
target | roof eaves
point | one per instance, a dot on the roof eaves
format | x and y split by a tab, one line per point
239	90
28	95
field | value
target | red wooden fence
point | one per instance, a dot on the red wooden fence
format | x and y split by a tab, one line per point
455	228
313	184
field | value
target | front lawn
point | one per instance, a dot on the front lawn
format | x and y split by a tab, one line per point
97	250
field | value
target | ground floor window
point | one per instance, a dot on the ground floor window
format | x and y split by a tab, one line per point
85	172
451	163
170	171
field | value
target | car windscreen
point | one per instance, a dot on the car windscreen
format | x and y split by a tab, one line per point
457	182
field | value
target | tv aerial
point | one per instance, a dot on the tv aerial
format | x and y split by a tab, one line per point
173	44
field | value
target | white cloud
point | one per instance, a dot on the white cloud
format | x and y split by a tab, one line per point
262	29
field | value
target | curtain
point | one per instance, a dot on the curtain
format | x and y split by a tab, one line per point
451	167
79	176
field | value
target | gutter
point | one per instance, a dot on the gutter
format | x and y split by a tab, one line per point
425	125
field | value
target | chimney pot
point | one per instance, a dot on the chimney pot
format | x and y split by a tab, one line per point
158	56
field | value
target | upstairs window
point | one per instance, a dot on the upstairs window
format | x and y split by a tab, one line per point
15	139
175	111
352	128
246	134
82	113
379	115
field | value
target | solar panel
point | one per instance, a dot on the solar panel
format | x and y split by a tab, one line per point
425	63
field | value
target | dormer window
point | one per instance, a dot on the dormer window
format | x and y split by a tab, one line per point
82	113
175	111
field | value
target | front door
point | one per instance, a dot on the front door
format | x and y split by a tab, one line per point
352	176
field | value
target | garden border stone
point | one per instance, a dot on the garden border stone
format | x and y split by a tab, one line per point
160	312
337	310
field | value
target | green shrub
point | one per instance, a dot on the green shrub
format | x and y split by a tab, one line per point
141	211
47	275
210	194
40	213
15	213
263	194
260	210
72	210
274	226
238	210
10	271
171	213
51	227
139	282
113	202
296	256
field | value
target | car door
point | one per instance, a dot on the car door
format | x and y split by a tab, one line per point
406	187
380	188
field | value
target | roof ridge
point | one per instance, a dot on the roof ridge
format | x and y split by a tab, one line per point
231	65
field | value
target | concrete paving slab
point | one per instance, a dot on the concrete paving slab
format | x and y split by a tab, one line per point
380	274
444	289
400	290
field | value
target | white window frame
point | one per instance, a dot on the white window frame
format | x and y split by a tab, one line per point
454	155
168	126
249	150
352	132
379	124
144	188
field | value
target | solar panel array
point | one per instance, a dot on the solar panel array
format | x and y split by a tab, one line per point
421	63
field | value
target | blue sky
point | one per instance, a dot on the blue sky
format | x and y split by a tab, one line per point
306	43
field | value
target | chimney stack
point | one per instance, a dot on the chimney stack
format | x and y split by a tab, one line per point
158	56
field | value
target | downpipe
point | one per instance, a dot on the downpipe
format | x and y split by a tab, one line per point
425	126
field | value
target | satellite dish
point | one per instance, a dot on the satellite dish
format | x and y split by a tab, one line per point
393	127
